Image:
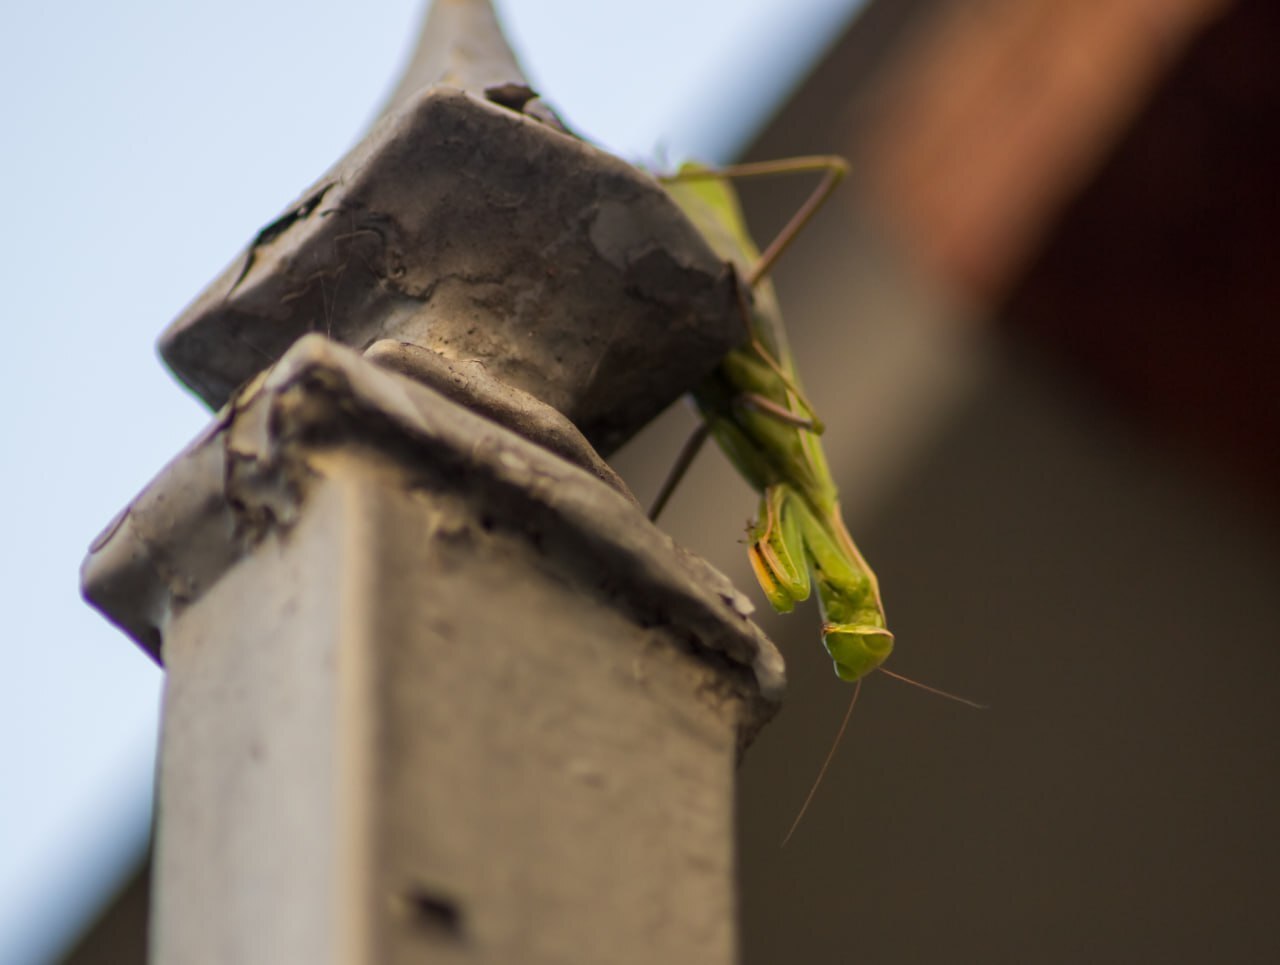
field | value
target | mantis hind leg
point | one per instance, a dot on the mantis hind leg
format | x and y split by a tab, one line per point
833	169
688	453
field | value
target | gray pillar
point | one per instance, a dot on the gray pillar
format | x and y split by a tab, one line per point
433	693
436	689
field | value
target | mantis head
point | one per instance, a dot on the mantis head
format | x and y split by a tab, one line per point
856	649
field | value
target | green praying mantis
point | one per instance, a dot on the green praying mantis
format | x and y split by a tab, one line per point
754	407
752	404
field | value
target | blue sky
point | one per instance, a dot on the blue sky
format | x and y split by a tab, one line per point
146	142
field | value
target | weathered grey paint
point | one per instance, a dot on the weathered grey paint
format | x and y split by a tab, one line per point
476	231
431	689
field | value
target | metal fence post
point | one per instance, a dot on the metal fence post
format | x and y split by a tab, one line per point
435	686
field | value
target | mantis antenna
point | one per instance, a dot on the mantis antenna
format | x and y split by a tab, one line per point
933	690
857	688
844	725
822	771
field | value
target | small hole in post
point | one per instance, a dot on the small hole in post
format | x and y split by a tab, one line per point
434	912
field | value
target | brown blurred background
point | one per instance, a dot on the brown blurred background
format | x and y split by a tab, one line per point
1039	324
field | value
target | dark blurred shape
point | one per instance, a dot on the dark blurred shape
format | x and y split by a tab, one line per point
995	114
1159	285
119	934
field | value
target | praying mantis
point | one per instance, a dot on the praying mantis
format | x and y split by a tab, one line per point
752	404
754	407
